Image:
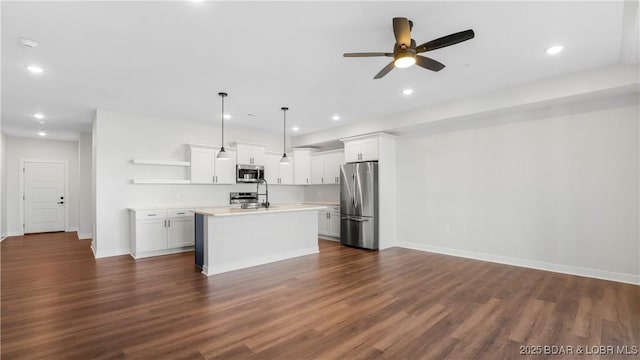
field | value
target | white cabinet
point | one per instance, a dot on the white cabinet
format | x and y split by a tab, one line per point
250	154
159	232
207	169
363	149
325	167
149	231
317	169
180	231
276	173
225	170
202	165
302	166
332	164
329	222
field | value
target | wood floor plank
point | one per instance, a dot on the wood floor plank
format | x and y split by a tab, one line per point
58	302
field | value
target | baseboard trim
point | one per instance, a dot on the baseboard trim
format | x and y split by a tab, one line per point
532	264
73	229
15	234
142	255
255	262
327	237
109	253
84	236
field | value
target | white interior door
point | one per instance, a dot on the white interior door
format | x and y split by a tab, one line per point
44	197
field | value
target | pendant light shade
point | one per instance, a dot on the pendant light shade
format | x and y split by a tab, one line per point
222	155
284	159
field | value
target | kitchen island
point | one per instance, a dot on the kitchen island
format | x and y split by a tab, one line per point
230	238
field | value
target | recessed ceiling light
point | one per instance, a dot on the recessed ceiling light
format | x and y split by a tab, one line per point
35	69
42	132
227	116
295	128
29	43
407	91
556	49
38	116
335	117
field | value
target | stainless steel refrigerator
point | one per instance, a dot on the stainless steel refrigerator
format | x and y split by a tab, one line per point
359	205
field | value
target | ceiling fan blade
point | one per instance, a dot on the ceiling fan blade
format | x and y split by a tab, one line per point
366	54
385	70
428	63
446	41
402	31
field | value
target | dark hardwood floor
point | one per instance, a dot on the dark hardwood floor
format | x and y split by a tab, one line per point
58	302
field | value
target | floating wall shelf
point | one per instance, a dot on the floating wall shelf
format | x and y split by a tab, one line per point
160	181
161	162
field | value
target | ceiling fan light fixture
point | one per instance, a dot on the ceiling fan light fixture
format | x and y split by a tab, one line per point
404	59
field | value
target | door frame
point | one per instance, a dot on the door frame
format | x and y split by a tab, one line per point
66	190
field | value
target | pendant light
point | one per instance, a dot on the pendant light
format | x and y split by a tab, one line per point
285	159
222	155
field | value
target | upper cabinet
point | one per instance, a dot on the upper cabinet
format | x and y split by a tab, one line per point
250	154
276	173
207	169
362	148
302	166
325	167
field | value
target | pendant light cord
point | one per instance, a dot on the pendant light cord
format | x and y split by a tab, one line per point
222	117
222	95
284	131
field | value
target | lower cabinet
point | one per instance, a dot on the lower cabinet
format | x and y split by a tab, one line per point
160	232
329	222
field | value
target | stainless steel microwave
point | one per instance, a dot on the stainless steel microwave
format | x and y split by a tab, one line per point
249	173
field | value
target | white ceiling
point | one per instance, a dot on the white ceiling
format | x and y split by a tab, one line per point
170	59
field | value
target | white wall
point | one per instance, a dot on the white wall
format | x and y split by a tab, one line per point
39	149
119	138
322	193
3	186
558	193
85	210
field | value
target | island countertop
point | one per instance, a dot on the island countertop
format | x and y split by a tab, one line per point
235	211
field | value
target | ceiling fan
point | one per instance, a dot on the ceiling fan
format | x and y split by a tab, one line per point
405	52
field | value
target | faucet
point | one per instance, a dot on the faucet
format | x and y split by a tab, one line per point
266	192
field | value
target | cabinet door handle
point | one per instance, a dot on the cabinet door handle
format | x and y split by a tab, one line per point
151	214
180	213
168	223
321	180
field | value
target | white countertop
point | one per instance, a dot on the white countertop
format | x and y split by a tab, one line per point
234	211
328	203
191	207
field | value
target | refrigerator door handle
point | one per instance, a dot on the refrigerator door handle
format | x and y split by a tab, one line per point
354	219
353	181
